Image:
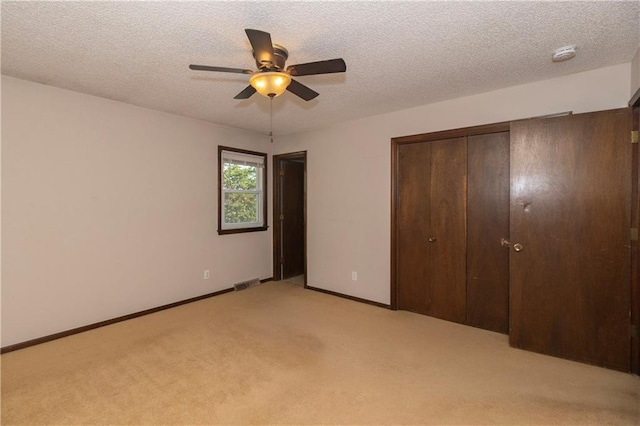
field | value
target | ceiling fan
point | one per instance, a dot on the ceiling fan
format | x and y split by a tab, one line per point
272	79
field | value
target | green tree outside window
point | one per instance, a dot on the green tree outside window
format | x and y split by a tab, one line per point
240	207
242	193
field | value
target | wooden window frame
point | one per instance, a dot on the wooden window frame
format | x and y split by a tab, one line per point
264	226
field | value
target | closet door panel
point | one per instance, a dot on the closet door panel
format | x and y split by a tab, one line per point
447	260
570	211
487	227
413	212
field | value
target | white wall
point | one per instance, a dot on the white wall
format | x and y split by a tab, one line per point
109	209
635	73
349	169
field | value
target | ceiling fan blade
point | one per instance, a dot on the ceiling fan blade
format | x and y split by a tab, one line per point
246	93
320	67
219	69
301	90
262	47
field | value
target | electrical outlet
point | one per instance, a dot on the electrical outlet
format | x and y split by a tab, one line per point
354	276
206	275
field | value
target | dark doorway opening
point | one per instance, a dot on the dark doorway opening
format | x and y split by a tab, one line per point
290	217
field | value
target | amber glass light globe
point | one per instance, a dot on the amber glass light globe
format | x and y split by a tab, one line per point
270	84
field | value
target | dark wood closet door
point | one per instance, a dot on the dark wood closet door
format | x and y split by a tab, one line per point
488	232
293	222
447	259
413	226
431	228
570	211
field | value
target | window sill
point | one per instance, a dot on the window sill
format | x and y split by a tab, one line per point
241	230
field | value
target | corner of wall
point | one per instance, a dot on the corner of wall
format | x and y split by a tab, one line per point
635	73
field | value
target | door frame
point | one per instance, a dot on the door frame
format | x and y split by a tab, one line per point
424	137
634	103
277	197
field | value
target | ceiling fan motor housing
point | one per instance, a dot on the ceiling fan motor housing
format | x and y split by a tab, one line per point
280	54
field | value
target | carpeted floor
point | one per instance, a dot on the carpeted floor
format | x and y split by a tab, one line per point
278	353
299	279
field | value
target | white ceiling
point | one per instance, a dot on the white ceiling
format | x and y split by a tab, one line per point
398	54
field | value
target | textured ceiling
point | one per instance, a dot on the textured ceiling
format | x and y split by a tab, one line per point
398	54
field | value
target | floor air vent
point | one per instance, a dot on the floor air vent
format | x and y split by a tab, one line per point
246	284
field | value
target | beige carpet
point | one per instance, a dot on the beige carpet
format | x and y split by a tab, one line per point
278	353
299	279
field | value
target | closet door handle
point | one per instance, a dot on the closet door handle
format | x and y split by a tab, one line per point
517	247
432	239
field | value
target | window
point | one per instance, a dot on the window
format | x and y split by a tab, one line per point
241	191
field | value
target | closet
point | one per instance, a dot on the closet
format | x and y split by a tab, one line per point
452	229
523	228
571	216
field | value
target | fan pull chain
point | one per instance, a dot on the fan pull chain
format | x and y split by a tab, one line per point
271	117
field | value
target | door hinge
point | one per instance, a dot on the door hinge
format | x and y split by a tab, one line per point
634	136
634	234
282	260
281	172
282	218
634	331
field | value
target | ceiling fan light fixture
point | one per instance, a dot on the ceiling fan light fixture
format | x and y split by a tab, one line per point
270	84
272	78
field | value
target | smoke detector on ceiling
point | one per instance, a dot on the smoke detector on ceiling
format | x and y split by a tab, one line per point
564	53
